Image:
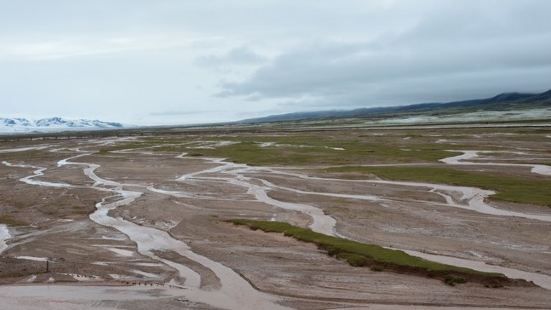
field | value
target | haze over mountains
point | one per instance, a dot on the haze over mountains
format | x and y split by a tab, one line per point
530	105
501	102
15	125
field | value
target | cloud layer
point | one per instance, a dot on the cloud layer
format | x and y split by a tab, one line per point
185	62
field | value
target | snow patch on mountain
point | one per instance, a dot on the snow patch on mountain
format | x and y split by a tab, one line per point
16	125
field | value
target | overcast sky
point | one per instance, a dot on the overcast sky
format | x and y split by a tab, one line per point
184	61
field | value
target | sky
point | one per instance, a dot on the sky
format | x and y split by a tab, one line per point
149	62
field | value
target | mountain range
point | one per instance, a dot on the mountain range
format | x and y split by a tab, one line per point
501	102
53	124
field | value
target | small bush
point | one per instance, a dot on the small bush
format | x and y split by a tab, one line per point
452	280
331	250
353	259
493	284
377	268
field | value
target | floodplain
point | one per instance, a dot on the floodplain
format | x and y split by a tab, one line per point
408	217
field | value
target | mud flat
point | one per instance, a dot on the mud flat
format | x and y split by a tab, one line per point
325	224
141	223
36	173
23	297
471	198
23	149
469	155
234	293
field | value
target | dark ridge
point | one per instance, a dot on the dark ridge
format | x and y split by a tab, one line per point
501	102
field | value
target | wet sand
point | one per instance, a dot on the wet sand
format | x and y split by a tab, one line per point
158	224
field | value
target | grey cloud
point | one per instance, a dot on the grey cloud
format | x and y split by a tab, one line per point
462	43
236	56
181	112
130	60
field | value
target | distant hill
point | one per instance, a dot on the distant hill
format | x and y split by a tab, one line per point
53	124
501	102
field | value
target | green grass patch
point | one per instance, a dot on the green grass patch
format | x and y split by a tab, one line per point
300	149
24	156
530	190
317	150
378	258
126	145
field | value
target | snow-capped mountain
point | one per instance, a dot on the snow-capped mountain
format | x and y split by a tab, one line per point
13	125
